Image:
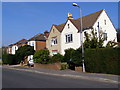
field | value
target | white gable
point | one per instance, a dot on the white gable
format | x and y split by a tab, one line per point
70	29
106	26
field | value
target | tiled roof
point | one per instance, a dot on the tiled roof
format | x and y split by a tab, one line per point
19	42
60	27
88	21
38	37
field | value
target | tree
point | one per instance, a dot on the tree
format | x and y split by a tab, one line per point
93	41
118	35
23	52
41	56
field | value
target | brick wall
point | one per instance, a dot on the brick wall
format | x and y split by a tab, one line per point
40	45
56	66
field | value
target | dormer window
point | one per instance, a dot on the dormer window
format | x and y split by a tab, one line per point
68	26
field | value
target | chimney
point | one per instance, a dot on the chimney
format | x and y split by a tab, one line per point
70	16
46	33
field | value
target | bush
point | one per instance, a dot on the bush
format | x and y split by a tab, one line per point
41	56
64	66
77	57
57	58
9	59
68	55
102	60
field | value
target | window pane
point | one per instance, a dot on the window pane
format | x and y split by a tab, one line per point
71	38
66	37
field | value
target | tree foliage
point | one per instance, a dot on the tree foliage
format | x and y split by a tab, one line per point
23	52
9	59
77	57
68	54
41	56
92	41
110	44
57	58
118	35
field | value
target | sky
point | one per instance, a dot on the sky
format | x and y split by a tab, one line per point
26	19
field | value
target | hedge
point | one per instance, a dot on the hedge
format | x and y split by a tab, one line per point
9	59
102	60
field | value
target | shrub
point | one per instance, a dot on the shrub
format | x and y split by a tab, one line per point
68	55
57	58
102	60
110	44
9	59
64	66
41	56
77	57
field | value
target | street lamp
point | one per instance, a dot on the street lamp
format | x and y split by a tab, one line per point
81	35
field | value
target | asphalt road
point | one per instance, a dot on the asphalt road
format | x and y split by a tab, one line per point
24	79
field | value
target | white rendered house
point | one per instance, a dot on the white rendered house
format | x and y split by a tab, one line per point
68	34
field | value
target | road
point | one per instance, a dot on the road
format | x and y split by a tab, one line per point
23	79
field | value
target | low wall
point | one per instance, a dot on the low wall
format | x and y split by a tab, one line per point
56	66
78	69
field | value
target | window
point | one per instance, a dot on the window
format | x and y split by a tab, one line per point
68	26
105	22
98	25
32	43
69	38
54	41
53	30
54	52
104	36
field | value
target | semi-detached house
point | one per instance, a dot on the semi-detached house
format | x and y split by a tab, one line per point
67	35
38	42
13	47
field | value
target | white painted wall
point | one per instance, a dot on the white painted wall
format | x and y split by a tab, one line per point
76	37
30	57
14	48
108	28
31	44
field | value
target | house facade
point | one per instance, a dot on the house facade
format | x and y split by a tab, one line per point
18	44
67	35
38	42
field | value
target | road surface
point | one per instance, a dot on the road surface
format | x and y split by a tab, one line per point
23	79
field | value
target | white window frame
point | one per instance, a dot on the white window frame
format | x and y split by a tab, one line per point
104	36
54	41
55	52
68	38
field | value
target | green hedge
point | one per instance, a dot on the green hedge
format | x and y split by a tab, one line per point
102	60
57	58
41	56
9	59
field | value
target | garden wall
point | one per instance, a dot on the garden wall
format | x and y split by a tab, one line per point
56	66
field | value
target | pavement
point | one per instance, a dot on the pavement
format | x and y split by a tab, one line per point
70	74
